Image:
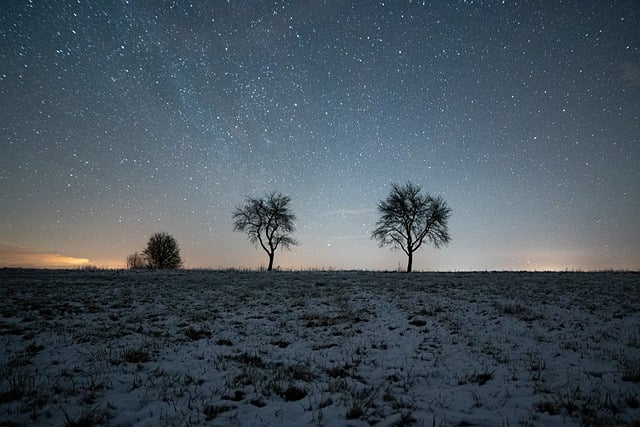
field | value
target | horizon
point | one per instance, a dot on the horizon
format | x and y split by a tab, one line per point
262	269
391	260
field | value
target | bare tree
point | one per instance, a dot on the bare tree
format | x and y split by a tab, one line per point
408	218
268	222
136	261
162	252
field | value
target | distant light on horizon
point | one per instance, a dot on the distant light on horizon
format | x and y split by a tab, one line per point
14	258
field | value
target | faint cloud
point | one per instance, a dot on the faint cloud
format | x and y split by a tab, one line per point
15	257
348	212
631	72
353	237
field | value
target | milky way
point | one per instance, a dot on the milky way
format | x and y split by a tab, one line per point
119	119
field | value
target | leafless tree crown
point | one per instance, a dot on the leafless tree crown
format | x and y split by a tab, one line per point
268	222
408	218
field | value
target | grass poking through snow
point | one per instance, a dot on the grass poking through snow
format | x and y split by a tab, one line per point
88	348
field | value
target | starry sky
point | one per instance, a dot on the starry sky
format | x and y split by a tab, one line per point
122	118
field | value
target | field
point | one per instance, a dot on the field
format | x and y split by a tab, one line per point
82	348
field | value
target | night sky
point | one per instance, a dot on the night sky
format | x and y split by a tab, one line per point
122	118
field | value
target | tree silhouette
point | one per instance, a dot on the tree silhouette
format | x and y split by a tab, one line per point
162	252
268	222
136	261
408	218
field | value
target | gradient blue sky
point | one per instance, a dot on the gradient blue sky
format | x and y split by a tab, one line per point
122	118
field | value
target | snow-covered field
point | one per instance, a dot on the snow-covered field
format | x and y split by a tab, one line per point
319	348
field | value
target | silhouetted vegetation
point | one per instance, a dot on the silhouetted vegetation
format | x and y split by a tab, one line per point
268	222
408	218
162	252
136	261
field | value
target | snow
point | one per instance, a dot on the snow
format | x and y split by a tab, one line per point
146	348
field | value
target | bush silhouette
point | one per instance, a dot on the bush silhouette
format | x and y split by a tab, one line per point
162	252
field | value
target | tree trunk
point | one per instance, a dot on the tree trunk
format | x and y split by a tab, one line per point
410	262
270	261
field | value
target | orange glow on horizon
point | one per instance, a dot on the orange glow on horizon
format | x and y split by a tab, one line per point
16	258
